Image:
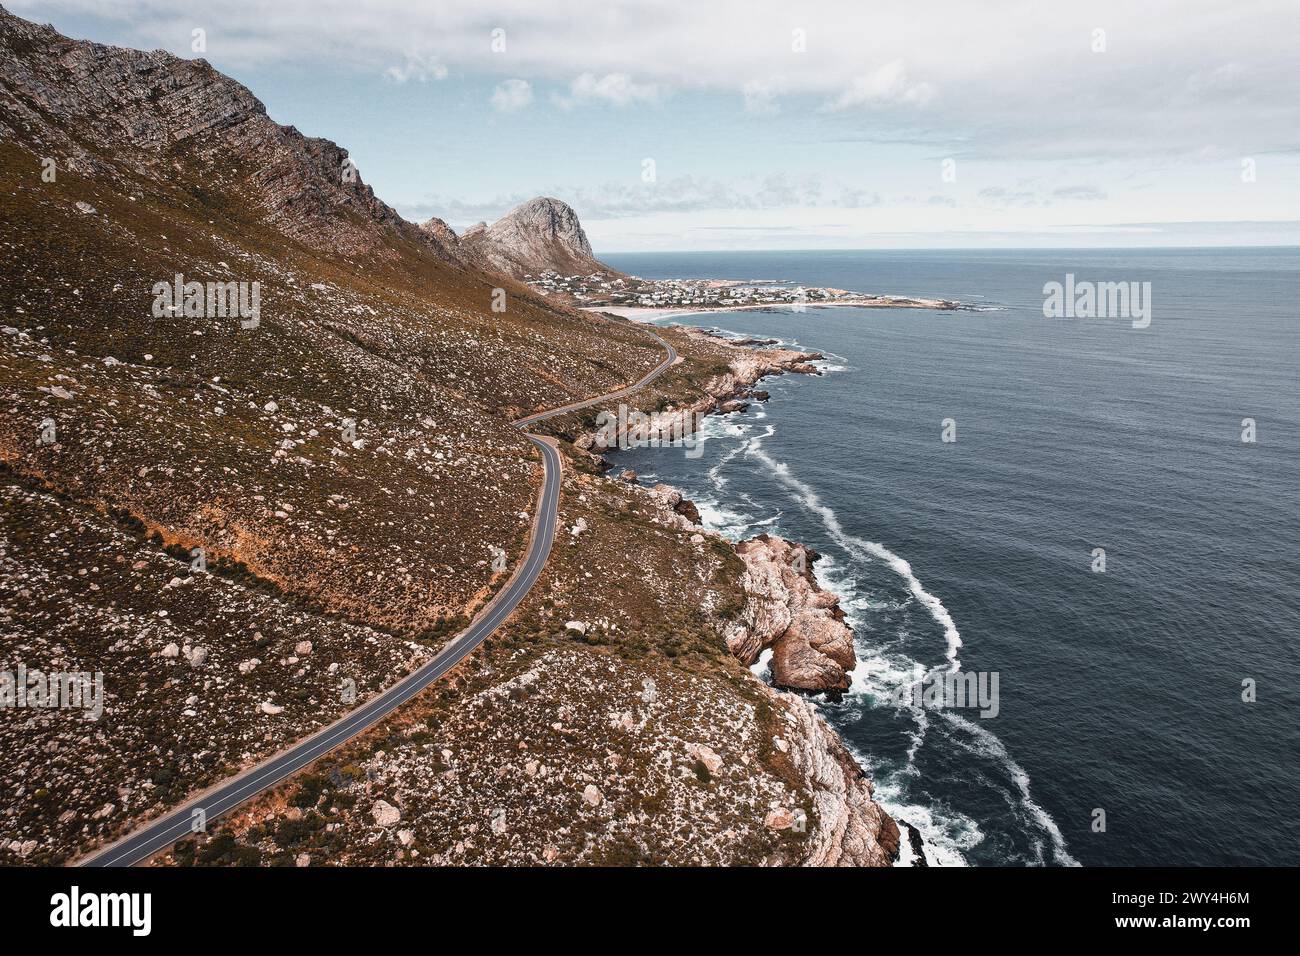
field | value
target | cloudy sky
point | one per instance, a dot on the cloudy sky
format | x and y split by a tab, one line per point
679	124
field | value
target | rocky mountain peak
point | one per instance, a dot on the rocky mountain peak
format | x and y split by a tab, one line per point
536	236
544	224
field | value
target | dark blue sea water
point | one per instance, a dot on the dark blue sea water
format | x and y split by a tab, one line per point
1119	691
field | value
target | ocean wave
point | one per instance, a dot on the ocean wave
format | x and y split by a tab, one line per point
948	834
880	671
729	429
984	743
861	547
728	522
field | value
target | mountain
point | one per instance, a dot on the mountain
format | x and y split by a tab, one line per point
537	236
163	114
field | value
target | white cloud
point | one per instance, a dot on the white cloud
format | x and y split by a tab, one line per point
616	89
512	95
994	79
887	85
417	67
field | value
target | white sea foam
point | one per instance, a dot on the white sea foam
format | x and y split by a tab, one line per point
948	834
832	363
881	671
860	546
728	522
715	473
984	743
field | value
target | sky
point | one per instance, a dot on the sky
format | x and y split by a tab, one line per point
673	125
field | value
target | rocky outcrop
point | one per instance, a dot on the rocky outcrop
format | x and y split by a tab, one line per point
850	828
442	236
538	236
785	609
788	611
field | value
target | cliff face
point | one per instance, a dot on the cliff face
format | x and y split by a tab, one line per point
540	235
852	829
103	109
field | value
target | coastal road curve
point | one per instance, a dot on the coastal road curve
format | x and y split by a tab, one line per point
157	835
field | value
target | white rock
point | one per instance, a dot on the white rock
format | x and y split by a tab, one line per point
406	836
271	709
249	665
591	796
302	859
302	648
170	651
385	813
579	626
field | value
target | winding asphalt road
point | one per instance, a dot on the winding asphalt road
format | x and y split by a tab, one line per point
158	835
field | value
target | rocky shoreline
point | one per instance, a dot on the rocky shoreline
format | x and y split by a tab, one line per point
786	612
729	391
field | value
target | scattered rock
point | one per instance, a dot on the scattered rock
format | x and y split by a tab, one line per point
385	813
779	819
712	762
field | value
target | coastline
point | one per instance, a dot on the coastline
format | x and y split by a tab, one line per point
640	313
791	621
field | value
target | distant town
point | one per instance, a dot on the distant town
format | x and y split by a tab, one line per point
601	289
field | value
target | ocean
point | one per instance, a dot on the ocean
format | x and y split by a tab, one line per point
1121	735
